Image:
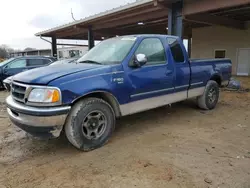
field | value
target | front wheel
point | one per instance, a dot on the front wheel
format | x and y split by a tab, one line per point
90	124
210	97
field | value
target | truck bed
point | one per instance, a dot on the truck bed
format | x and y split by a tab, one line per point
204	68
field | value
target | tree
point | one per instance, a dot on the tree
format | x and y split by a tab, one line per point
5	51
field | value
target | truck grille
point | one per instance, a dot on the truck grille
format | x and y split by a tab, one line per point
18	92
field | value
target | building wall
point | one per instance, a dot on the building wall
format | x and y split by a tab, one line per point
32	53
208	39
45	53
70	51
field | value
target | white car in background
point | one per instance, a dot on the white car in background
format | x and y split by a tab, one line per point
7	83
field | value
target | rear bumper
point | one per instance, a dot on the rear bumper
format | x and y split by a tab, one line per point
38	121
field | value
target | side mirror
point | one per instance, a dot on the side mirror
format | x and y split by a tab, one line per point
140	60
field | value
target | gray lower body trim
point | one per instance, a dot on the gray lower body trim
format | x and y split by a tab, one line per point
196	92
151	103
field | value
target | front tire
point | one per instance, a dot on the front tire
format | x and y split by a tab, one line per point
210	97
90	124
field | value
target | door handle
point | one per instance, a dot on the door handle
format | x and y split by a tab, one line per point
168	72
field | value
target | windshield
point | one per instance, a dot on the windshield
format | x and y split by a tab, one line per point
6	61
111	51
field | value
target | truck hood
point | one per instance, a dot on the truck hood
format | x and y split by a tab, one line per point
47	74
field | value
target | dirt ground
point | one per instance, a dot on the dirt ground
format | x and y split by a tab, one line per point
180	146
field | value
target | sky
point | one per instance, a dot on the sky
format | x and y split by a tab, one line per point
21	19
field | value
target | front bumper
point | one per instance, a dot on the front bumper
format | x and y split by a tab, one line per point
38	121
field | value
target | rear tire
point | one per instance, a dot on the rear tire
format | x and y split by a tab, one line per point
90	124
210	97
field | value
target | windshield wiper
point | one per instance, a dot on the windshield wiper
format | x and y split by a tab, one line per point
90	61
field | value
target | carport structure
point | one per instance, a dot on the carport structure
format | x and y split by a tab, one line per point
174	17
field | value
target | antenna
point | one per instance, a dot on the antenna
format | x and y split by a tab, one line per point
72	15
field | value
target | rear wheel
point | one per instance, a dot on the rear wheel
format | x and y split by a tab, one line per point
90	124
210	97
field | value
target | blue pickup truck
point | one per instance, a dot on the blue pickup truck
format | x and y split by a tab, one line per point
118	77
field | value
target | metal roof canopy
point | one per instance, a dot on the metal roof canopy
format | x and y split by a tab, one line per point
151	17
176	17
141	17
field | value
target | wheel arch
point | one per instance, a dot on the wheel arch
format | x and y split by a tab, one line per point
104	95
217	78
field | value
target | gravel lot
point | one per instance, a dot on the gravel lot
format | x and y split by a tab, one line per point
180	146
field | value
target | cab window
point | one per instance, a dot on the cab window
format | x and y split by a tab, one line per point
176	50
154	51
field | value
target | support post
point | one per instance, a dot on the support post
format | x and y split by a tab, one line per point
175	19
54	47
189	45
170	21
91	41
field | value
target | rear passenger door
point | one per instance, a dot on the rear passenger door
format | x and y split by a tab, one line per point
37	62
182	67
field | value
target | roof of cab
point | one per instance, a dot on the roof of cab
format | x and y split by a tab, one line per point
147	35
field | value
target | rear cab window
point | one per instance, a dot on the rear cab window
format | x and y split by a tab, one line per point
176	50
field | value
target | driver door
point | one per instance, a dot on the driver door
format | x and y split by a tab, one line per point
155	78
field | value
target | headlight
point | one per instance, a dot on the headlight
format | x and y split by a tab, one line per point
45	95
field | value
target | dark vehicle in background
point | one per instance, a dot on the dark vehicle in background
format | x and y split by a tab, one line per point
16	65
7	81
64	61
